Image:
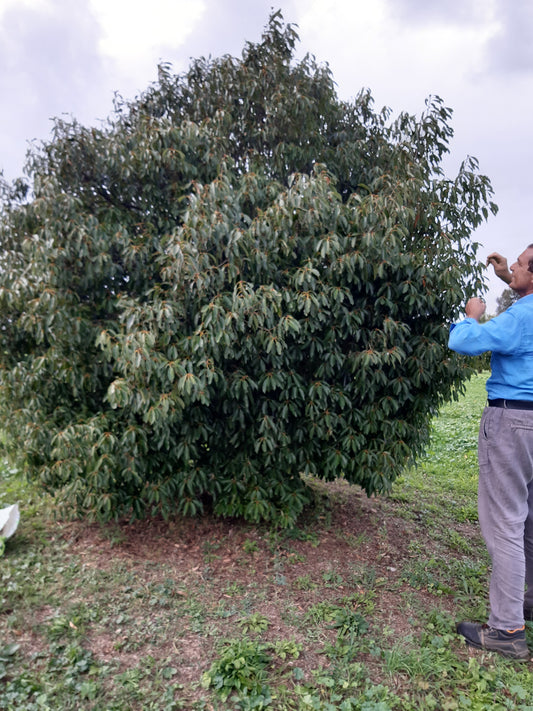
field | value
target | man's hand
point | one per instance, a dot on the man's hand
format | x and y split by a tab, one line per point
500	266
475	308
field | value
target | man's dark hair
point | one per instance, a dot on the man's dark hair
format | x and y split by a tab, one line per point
530	263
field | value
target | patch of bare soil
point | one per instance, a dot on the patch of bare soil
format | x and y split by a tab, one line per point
227	570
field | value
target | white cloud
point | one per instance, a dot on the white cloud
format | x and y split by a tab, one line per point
21	4
49	66
512	48
400	62
134	32
451	12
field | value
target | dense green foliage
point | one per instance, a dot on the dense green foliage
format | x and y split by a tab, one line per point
238	280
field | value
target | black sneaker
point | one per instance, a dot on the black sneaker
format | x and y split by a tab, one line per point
507	643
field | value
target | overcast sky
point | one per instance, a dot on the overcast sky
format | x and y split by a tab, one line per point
69	57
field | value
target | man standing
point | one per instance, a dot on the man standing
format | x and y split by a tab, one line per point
505	451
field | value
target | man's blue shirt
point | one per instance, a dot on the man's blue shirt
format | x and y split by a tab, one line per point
510	338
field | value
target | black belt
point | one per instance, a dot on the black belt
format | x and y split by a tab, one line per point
512	404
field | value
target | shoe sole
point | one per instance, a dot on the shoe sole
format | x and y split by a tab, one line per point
498	651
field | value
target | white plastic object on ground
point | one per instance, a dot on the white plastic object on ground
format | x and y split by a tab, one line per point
9	520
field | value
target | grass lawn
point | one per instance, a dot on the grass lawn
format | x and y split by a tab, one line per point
353	610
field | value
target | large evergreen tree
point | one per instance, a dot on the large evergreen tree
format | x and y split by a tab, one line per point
239	280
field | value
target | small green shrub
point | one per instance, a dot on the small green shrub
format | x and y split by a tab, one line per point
255	623
240	668
349	623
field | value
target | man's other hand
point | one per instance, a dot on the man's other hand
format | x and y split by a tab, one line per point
475	308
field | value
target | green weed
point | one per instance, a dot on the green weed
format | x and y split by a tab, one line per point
305	582
250	546
255	623
241	667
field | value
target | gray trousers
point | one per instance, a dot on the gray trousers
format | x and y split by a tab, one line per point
505	507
